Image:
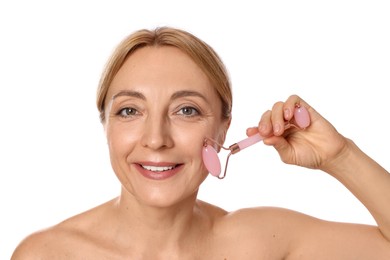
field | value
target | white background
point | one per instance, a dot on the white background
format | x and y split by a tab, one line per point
54	162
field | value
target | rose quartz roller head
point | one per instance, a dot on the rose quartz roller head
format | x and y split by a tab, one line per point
210	155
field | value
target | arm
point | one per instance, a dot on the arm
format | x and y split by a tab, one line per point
320	146
368	181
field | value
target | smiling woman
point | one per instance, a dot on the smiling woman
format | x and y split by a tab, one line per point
172	106
161	95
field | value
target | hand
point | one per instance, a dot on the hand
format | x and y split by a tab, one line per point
317	146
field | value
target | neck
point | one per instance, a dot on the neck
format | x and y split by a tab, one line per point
159	228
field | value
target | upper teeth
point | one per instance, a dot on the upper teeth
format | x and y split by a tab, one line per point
157	169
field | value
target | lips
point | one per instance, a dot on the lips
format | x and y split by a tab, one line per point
159	171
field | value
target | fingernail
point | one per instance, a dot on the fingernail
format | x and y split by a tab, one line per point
276	128
287	113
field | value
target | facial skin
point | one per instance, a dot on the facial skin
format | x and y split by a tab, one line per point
160	107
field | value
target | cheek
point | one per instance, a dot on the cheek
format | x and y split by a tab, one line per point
120	140
190	144
189	141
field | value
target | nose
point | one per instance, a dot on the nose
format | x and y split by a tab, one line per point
157	133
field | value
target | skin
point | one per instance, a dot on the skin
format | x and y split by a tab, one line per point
160	107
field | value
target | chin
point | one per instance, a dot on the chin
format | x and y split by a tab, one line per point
162	193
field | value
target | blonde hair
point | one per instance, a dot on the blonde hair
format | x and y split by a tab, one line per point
200	52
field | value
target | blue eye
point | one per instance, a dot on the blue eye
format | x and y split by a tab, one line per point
188	111
127	112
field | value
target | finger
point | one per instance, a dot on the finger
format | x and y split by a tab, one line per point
277	118
289	106
251	131
264	126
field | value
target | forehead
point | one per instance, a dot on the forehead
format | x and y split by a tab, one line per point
160	67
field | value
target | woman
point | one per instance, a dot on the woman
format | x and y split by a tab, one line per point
162	94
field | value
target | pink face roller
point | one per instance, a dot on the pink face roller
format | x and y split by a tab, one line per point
210	155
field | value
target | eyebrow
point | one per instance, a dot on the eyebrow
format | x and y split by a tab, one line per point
176	95
187	93
130	93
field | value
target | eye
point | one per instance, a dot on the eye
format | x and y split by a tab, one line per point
127	112
188	111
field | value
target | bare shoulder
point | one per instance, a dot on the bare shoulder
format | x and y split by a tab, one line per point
287	234
39	245
265	218
61	241
257	217
261	232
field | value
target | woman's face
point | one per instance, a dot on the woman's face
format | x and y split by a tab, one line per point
160	107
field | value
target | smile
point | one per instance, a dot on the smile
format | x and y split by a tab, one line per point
157	168
158	172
